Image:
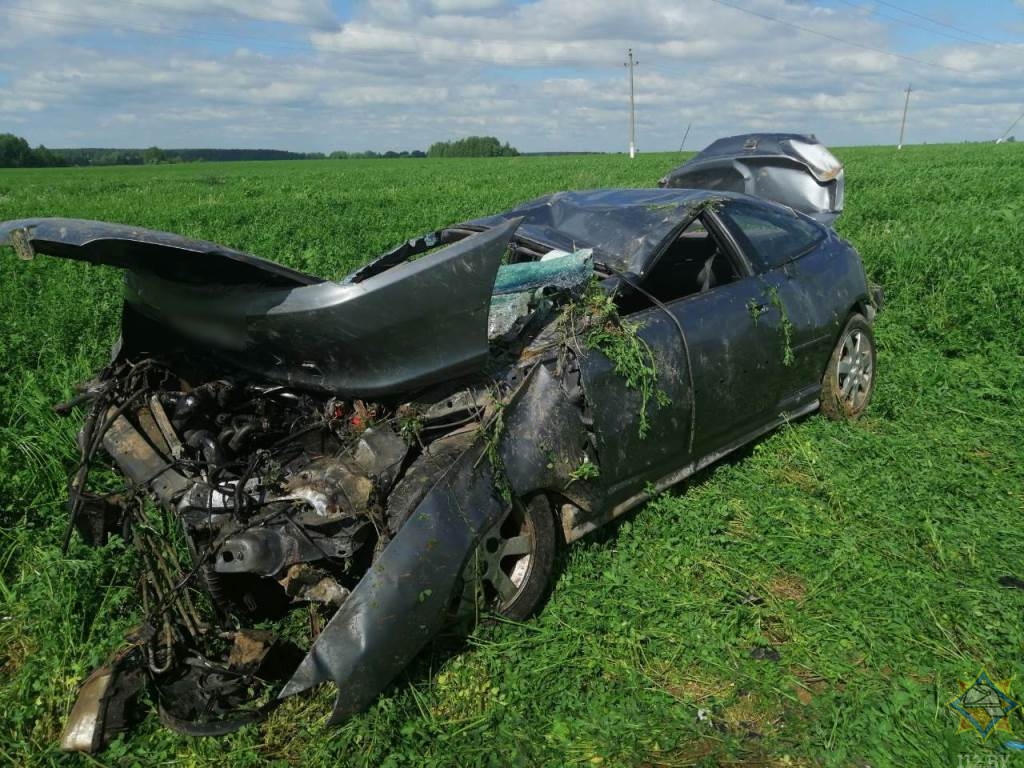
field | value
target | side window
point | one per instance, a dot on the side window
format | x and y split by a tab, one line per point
774	235
693	263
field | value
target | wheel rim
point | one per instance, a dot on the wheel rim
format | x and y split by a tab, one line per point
504	559
855	370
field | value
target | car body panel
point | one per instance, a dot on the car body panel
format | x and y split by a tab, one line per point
390	332
789	168
817	289
624	455
146	251
737	363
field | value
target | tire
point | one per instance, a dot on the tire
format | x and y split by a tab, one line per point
532	519
511	571
849	378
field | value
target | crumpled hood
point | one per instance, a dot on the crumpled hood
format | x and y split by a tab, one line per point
162	254
413	324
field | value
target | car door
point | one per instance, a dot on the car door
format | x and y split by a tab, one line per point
736	341
718	354
799	273
628	459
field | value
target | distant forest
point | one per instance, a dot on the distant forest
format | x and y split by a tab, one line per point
472	146
15	152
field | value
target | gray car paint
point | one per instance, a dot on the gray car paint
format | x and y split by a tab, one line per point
414	324
767	166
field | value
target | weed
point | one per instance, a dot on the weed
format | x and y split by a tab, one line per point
491	431
410	426
597	317
587	470
708	204
785	326
755	310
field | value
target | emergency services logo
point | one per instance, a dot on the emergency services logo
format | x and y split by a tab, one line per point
984	705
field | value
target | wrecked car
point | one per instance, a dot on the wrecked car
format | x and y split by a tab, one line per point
396	453
790	168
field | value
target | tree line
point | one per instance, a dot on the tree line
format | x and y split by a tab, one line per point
371	155
15	152
472	146
158	156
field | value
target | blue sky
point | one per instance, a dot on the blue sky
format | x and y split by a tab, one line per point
544	74
998	20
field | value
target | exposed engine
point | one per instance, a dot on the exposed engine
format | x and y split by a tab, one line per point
281	498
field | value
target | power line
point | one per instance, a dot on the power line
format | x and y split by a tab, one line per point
192	34
940	23
837	39
173	9
908	23
184	33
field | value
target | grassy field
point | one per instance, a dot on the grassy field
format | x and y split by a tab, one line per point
866	555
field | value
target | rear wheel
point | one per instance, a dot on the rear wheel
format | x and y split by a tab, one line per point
849	379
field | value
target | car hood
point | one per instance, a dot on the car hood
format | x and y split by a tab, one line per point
411	324
789	168
162	254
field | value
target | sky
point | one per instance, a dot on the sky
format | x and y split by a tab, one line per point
544	75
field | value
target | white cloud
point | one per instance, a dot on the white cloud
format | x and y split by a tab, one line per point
544	75
64	17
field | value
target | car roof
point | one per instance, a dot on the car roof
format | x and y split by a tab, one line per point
623	226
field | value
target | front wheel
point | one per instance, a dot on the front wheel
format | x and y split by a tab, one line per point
511	570
849	379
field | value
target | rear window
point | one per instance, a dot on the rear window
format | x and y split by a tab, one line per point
775	235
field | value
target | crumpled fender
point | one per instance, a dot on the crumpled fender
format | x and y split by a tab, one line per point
402	601
545	440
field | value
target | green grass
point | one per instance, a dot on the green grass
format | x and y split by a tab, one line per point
866	554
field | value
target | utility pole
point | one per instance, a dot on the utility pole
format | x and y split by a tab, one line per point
1007	131
681	143
903	124
632	105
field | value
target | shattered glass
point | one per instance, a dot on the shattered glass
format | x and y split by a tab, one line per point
505	311
517	284
562	272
